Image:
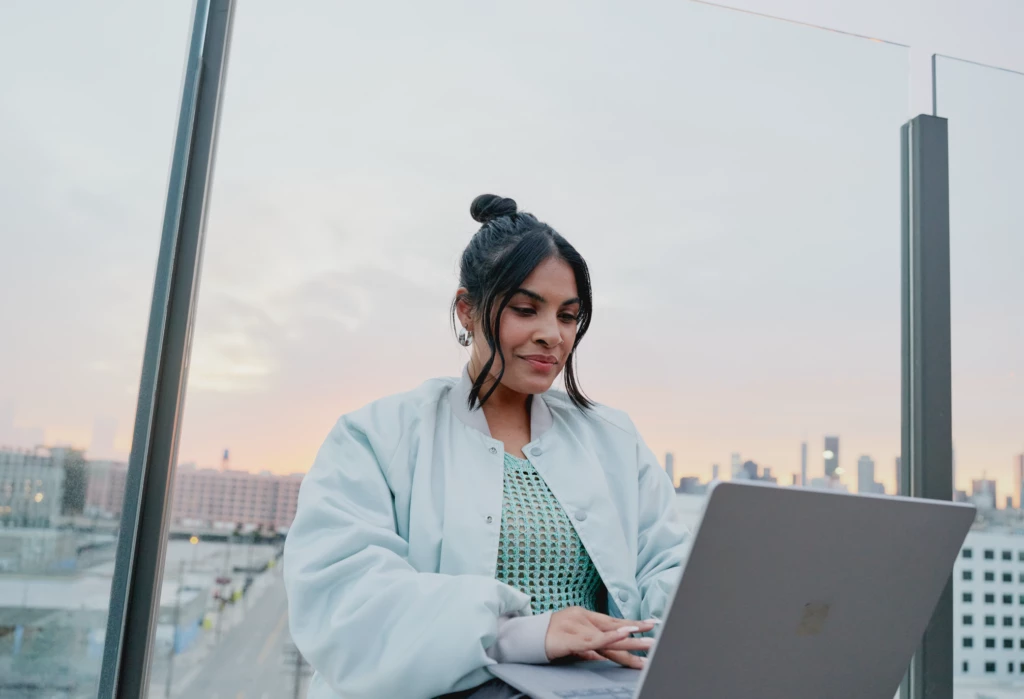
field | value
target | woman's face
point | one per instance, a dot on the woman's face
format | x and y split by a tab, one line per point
538	329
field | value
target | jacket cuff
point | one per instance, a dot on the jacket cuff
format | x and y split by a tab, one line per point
521	639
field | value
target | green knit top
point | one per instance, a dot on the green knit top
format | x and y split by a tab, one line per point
539	552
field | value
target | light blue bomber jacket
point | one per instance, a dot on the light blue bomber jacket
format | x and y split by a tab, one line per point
390	563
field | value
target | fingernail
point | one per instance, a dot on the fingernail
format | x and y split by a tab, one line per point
652	621
629	629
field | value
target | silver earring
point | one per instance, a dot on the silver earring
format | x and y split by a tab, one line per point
465	338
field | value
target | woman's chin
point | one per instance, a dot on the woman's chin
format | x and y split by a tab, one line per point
529	384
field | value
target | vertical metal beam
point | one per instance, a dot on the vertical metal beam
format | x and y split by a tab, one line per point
927	442
135	589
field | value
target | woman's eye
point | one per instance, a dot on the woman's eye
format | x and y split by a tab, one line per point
523	311
569	318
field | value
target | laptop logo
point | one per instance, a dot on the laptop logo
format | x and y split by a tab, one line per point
812	621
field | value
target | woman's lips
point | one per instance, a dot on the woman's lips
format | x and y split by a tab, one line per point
540	363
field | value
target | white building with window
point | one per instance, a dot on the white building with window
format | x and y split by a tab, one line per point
31	488
988	606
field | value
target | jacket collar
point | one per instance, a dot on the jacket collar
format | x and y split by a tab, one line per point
540	414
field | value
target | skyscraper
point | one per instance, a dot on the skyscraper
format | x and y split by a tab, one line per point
899	474
670	467
831	455
1020	480
866	475
736	464
714	472
983	493
803	464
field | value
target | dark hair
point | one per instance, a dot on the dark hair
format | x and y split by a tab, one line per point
499	258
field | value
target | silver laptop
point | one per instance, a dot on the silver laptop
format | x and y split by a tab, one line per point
786	592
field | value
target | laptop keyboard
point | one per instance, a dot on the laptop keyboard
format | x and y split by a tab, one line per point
609	693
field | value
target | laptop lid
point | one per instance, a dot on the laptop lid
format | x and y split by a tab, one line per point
804	594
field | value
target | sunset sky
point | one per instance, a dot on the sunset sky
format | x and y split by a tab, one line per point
732	181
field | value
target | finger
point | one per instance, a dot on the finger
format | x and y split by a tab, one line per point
589	655
623	658
609	623
631	644
601	640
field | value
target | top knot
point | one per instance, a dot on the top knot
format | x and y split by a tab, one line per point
488	207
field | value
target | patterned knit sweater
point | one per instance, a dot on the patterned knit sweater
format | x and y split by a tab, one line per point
539	552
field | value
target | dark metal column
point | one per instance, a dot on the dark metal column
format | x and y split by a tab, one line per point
927	444
135	590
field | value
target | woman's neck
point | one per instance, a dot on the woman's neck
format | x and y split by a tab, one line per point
504	405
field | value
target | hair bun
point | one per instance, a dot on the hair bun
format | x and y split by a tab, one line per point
488	207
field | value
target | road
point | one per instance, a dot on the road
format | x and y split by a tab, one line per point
248	662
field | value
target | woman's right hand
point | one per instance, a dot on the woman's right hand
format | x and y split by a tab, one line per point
575	631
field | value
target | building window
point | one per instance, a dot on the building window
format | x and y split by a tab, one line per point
968	553
990	667
1020	578
1008	643
990	643
990	598
1007	555
969	621
967	575
1007	577
1020	556
969	597
990	576
967	667
1009	667
1007	599
968	642
989	554
1007	621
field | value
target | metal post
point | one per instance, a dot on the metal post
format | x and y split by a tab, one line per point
927	442
135	598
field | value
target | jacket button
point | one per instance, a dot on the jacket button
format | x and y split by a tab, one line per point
493	450
581	515
623	596
489	519
536	451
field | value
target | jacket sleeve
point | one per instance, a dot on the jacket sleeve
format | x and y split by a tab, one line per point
662	541
366	620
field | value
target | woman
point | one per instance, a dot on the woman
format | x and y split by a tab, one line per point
484	519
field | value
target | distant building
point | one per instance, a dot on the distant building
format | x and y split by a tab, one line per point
866	482
750	470
205	496
899	475
1009	502
31	487
691	485
959	496
828	484
736	464
795	479
714	472
1020	480
983	494
831	455
670	467
803	464
104	491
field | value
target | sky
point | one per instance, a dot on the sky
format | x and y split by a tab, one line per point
732	181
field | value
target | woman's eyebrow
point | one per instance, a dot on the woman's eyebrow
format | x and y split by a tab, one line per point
540	299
